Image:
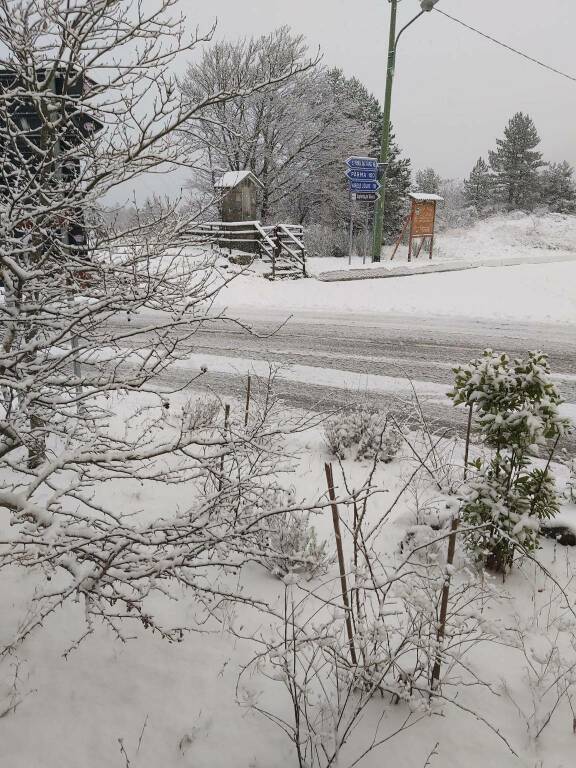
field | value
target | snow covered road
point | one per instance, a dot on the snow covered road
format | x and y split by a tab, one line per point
329	359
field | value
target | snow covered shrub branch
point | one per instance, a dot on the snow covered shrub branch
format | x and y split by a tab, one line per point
94	316
545	635
67	525
363	432
570	490
289	543
387	672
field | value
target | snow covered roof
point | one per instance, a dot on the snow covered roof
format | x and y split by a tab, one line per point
425	196
231	179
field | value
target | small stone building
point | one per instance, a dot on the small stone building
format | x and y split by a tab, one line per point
239	190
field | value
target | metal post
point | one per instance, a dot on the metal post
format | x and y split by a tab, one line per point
426	5
351	238
366	235
385	142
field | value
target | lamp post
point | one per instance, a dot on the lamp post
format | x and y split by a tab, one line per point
426	5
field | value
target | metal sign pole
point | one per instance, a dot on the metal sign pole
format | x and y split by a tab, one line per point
366	234
363	185
351	238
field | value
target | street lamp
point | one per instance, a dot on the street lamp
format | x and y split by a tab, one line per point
426	5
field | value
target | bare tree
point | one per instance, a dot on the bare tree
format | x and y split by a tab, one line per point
90	314
285	134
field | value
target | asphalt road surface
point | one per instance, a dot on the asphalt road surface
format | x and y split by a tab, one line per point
338	358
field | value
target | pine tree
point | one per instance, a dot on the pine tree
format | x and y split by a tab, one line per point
427	180
557	187
516	162
478	186
363	107
398	183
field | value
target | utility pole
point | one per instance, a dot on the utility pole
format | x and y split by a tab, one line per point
385	140
426	6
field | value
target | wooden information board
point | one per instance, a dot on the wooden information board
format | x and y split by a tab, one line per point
421	221
423	218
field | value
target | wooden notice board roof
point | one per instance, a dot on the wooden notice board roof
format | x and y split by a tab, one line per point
425	197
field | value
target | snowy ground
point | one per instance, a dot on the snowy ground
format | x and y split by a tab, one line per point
147	703
517	235
177	705
530	292
539	292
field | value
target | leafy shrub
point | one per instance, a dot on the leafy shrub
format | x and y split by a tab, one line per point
516	408
290	545
362	433
513	513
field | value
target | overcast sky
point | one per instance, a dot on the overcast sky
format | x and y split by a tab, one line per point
454	91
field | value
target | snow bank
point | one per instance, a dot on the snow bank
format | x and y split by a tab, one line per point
529	292
516	235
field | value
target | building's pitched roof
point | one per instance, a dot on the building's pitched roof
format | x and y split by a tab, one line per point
231	179
425	196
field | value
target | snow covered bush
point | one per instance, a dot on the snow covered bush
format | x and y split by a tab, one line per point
516	411
392	658
363	433
326	241
570	490
289	543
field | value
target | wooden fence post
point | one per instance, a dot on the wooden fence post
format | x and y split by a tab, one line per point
247	410
468	434
277	249
226	418
441	634
341	564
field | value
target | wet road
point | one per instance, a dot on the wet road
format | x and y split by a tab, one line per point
329	360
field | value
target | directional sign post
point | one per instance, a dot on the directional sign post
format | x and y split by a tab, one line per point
363	185
366	197
369	163
356	174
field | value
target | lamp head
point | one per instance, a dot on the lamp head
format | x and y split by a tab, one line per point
428	5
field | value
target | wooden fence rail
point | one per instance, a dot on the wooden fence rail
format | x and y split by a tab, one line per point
281	245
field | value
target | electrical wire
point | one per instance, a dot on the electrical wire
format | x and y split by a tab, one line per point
508	47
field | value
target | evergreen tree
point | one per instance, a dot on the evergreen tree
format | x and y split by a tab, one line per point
557	187
478	186
427	180
398	183
516	162
363	107
358	104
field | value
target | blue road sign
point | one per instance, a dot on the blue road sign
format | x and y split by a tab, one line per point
355	174
366	197
364	186
362	162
